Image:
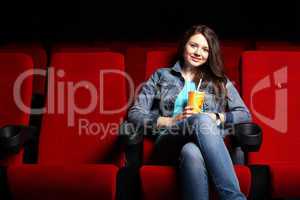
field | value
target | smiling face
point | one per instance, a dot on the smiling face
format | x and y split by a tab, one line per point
196	51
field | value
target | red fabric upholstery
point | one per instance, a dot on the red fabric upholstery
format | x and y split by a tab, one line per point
158	59
93	145
270	85
76	47
231	57
160	183
35	182
11	66
73	160
232	52
39	58
137	61
277	46
285	180
148	148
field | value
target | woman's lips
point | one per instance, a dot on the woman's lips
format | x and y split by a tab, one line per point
195	59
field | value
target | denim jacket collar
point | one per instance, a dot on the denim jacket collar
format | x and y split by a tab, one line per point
177	67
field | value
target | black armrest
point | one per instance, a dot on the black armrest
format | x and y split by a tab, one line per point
248	136
13	137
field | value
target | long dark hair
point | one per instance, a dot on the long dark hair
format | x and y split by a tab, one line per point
213	69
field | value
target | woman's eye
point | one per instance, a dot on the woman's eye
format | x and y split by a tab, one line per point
193	45
206	50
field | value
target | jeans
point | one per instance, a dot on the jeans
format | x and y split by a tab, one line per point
202	157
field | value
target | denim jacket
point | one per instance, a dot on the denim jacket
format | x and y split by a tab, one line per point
158	95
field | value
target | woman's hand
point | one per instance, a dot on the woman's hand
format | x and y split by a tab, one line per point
214	117
187	112
165	121
169	121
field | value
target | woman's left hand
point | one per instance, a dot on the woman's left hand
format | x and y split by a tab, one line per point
214	117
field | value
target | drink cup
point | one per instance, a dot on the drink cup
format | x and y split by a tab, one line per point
196	100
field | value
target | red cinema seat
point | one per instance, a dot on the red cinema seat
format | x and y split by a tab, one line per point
270	86
168	185
14	93
155	59
78	147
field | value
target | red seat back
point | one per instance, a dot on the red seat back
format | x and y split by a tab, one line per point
12	66
232	53
277	46
70	136
39	58
270	89
158	59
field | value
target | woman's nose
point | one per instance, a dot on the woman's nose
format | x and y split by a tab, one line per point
197	52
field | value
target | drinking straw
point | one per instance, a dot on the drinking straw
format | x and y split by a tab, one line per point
199	84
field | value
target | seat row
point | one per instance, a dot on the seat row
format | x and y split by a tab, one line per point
138	55
79	154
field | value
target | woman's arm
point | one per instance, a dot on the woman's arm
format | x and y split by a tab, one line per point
139	113
237	110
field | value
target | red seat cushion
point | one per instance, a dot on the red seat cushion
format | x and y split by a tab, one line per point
75	182
160	183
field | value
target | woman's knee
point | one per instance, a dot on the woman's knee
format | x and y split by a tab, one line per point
191	154
203	125
200	119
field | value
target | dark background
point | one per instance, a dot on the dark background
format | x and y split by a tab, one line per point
147	20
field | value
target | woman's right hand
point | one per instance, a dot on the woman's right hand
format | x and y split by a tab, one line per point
187	112
169	121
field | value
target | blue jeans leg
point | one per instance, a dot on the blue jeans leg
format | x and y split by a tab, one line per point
193	173
216	156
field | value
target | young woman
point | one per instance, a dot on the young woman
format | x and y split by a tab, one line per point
196	139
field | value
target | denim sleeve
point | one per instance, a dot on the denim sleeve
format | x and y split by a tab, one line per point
237	111
139	113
